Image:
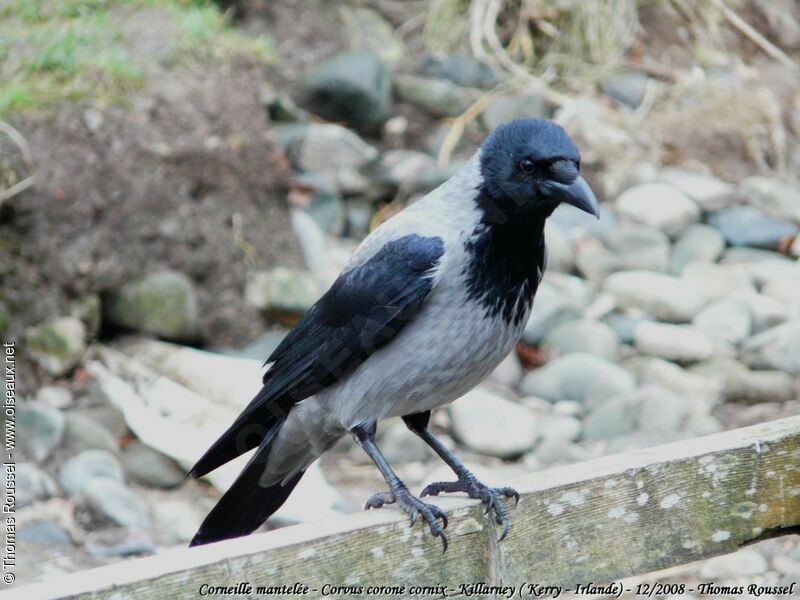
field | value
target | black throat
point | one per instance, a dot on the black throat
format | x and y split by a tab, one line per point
506	257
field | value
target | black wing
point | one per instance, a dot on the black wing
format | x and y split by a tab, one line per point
365	308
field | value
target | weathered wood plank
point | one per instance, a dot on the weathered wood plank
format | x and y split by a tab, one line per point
594	521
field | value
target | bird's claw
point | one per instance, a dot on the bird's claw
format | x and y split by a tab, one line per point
413	507
491	497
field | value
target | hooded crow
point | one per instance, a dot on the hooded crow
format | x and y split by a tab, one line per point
429	304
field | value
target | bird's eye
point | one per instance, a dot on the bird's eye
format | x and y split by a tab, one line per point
527	165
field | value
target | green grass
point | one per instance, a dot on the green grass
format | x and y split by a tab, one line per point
57	50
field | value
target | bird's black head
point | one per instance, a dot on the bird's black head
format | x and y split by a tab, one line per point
529	167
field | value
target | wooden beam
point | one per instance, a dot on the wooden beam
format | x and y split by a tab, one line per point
595	521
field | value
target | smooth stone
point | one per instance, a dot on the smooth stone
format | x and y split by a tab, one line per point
611	418
399	445
700	243
558	451
279	105
33	485
119	542
410	171
329	148
260	348
44	533
658	205
776	348
40	430
637	440
578	377
54	396
112	499
108	416
559	427
785	291
493	425
664	297
560	251
84	433
661	410
352	87
58	345
440	98
707	191
716	281
77	472
163	303
176	521
627	247
462	69
623	326
728	320
670	376
551	307
627	88
760	265
502	109
367	29
315	196
358	217
508	373
151	468
766	312
582	335
744	563
283	291
748	226
775	197
679	343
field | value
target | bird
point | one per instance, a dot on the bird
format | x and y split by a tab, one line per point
430	302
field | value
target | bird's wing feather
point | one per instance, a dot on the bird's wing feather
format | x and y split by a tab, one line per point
365	308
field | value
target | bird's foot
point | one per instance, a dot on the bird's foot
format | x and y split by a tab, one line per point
491	497
414	507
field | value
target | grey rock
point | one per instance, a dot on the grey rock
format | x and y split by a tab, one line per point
410	171
559	427
112	499
728	320
353	87
119	542
328	148
89	310
765	312
698	243
260	347
578	377
77	472
45	533
40	430
627	247
744	385
163	303
358	217
670	376
787	292
664	297
58	345
560	251
399	445
176	521
777	348
559	451
583	335
438	97
315	195
610	418
33	485
508	373
658	205
283	291
368	30
84	433
662	410
109	417
679	343
551	308
461	69
717	281
493	425
151	468
744	563
503	109
775	197
707	191
627	88
748	226
54	396
279	105
623	325
643	439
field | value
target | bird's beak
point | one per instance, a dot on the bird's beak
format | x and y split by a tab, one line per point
578	194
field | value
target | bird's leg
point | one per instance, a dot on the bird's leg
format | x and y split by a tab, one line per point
467	483
364	436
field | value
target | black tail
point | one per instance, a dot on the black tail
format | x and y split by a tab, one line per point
247	504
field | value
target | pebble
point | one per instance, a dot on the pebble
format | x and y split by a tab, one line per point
670	376
698	243
787	292
728	320
551	307
560	252
664	297
508	373
368	29
112	499
84	433
775	197
176	521
119	542
440	98
149	467
610	418
45	533
578	377
352	87
502	109
716	281
766	312
58	345
461	69
399	445
33	485
40	430
582	335
627	88
748	226
162	303
658	205
283	292
77	472
559	451
493	425
744	563
54	396
327	148
661	410
776	348
707	191
410	171
626	247
679	343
